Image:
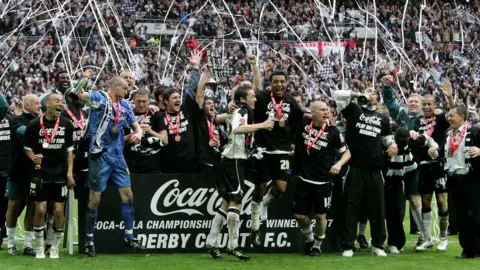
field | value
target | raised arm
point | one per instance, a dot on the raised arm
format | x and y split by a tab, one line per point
200	95
448	93
257	78
80	88
389	97
344	97
195	59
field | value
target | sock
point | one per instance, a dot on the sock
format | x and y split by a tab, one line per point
417	216
361	228
217	224
50	232
233	222
90	223
271	194
308	232
39	238
11	236
256	201
443	224
127	216
427	223
58	235
318	240
28	235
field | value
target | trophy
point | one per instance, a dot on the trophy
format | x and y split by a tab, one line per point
216	66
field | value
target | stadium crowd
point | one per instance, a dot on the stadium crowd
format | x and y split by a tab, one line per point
447	52
398	67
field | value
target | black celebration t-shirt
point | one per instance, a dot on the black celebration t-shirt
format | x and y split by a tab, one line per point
314	167
206	153
183	150
81	138
20	166
279	138
143	158
363	135
54	161
435	127
4	143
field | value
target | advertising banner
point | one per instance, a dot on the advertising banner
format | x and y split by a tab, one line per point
173	213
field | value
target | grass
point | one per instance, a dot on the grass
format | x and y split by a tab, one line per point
362	260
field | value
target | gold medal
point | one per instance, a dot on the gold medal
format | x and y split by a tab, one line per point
178	138
115	129
281	124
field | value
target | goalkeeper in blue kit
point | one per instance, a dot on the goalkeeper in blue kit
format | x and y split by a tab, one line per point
110	114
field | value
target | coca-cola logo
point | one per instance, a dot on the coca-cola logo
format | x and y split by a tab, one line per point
372	120
60	131
170	199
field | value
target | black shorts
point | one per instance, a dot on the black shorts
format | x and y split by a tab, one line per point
432	179
307	195
411	183
49	192
17	190
272	167
231	178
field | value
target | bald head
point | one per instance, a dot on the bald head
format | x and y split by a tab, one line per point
118	87
53	96
117	80
320	112
318	104
31	104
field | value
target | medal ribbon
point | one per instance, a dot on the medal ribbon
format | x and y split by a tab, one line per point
144	117
81	123
278	108
117	111
455	142
54	132
429	129
170	123
310	142
211	128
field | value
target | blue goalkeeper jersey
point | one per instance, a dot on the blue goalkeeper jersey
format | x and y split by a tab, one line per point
105	134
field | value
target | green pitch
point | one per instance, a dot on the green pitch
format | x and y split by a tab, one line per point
409	260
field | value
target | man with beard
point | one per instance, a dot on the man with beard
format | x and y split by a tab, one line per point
62	84
109	115
19	172
316	148
432	178
366	131
406	117
461	154
179	155
280	106
49	145
145	157
207	131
